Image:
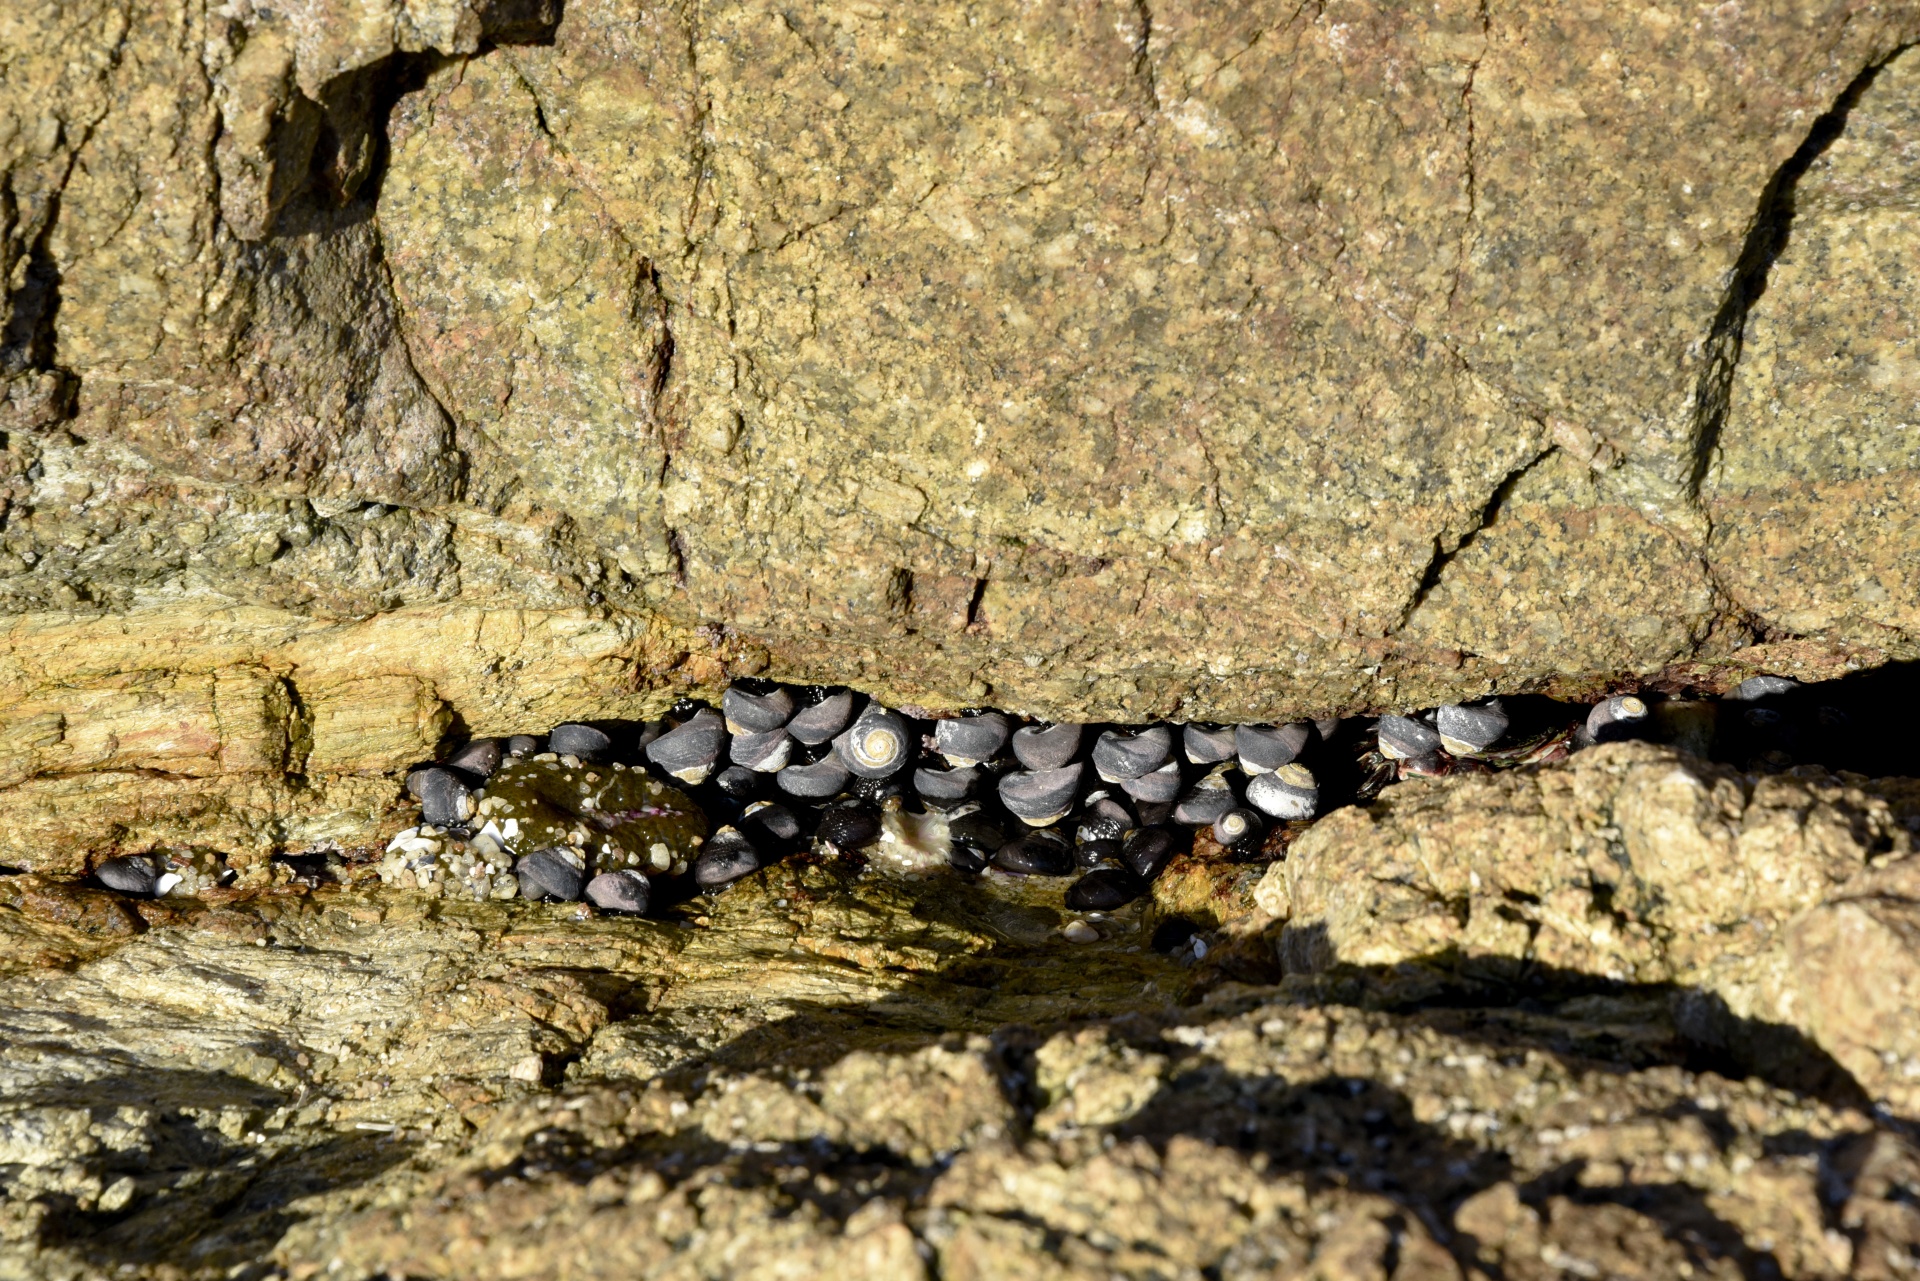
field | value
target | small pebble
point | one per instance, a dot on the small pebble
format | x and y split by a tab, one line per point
1080	932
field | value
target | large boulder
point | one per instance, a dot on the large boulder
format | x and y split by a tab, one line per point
1774	910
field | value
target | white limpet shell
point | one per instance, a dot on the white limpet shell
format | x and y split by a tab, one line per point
166	883
1080	932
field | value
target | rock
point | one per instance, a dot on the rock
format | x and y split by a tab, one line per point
1633	864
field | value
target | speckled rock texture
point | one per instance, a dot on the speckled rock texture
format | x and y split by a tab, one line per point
1624	1016
1097	360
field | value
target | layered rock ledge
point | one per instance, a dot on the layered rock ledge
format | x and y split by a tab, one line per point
1632	1013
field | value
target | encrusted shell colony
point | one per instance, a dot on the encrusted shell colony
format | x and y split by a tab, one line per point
604	812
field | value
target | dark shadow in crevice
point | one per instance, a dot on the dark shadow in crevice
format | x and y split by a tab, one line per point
1767	239
203	1200
1570	1013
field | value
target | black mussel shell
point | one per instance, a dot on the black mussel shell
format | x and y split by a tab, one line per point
1104	889
977	833
689	751
971	738
1046	747
881	790
1104	820
1119	755
848	829
1036	854
548	873
1208	744
823	721
583	741
445	800
479	758
130	874
623	891
1267	747
1403	738
1148	850
1094	853
739	782
773	818
767	752
1469	729
970	859
1039	797
729	855
824	778
755	713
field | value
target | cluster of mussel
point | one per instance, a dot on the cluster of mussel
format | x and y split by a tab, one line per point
780	768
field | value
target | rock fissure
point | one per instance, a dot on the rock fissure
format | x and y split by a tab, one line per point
1766	239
